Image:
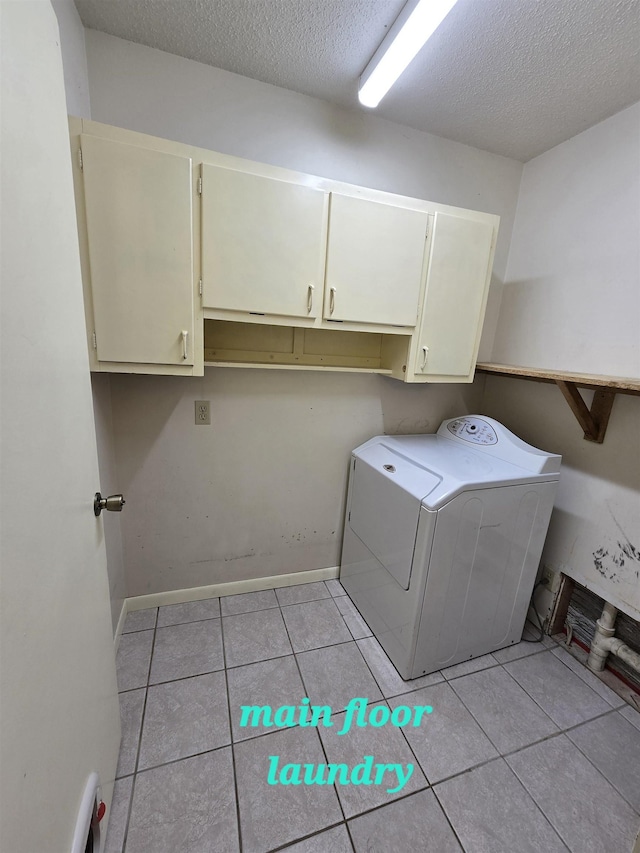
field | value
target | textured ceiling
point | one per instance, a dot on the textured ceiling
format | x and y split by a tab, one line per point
515	77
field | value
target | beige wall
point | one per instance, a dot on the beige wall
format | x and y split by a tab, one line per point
572	301
261	491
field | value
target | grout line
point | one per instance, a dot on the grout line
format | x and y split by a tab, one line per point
249	612
187	621
583	666
233	754
533	699
322	747
633	807
144	709
182	758
539	807
290	844
526	792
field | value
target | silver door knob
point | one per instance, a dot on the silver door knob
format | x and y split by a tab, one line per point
113	503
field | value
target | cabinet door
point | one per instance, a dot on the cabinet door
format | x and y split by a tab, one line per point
139	223
263	244
455	297
374	262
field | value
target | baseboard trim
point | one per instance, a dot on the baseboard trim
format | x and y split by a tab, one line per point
197	593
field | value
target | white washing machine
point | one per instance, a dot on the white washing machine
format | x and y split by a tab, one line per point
443	538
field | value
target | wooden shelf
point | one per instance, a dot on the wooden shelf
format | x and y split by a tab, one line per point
593	420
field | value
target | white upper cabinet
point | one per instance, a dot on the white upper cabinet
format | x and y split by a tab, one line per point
458	278
353	278
263	244
375	256
138	204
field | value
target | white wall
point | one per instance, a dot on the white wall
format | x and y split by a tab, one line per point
261	491
572	302
74	58
572	295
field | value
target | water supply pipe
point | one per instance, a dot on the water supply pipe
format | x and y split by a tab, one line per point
605	643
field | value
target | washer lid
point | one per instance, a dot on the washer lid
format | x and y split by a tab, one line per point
434	469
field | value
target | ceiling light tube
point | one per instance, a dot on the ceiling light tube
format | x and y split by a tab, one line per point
418	20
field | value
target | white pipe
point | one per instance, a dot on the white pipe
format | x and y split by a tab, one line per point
605	643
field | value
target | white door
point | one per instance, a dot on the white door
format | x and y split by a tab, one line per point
458	278
138	206
374	262
59	718
263	244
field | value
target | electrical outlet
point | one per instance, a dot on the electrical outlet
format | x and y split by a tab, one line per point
203	412
552	578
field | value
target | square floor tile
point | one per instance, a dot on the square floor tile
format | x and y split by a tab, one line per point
184	718
589	815
492	813
335	674
189	611
385	673
355	623
315	624
251	637
184	650
273	815
469	666
188	806
415	823
518	650
302	592
449	740
274	682
248	602
613	745
387	746
132	659
632	715
335	588
334	840
508	716
118	814
140	620
131	706
559	692
610	696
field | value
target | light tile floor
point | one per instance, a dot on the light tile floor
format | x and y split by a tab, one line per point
525	751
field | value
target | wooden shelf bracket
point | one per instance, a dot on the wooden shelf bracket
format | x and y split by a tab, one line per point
593	421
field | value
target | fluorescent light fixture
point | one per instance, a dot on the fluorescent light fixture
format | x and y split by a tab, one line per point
418	20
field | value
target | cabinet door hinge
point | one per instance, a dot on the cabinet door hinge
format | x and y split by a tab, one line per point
200	286
200	185
94	340
80	163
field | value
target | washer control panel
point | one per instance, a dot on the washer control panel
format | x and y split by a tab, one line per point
473	429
